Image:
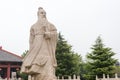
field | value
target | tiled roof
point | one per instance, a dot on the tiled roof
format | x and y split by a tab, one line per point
6	56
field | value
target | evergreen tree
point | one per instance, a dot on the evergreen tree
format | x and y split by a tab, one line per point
101	59
68	61
24	53
85	69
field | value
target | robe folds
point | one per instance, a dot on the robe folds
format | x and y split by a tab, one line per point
40	58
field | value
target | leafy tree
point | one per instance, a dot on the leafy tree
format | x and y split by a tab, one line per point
100	59
68	61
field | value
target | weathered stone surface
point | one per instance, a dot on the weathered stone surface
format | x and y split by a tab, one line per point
40	61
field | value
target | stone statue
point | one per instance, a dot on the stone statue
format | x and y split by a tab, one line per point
40	61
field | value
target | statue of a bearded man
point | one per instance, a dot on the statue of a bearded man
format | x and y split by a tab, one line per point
40	61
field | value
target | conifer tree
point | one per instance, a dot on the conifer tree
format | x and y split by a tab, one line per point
68	61
101	59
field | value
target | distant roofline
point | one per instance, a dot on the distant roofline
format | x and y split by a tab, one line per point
10	52
13	61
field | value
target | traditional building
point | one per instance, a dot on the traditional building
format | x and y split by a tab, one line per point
9	63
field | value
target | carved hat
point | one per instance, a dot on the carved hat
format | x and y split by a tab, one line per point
41	11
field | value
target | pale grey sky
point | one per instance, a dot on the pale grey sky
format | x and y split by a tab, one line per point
80	21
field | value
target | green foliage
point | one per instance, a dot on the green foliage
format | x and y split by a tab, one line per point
117	68
85	69
101	60
68	61
24	53
22	75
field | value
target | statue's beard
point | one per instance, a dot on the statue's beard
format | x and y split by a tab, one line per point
42	21
42	17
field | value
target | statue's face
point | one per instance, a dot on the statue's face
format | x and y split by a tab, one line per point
42	13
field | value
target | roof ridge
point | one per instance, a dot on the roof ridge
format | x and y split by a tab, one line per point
11	53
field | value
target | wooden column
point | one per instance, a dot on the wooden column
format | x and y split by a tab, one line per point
8	71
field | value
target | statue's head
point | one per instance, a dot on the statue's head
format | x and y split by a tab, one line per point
41	13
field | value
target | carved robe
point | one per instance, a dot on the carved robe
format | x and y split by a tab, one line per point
41	56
